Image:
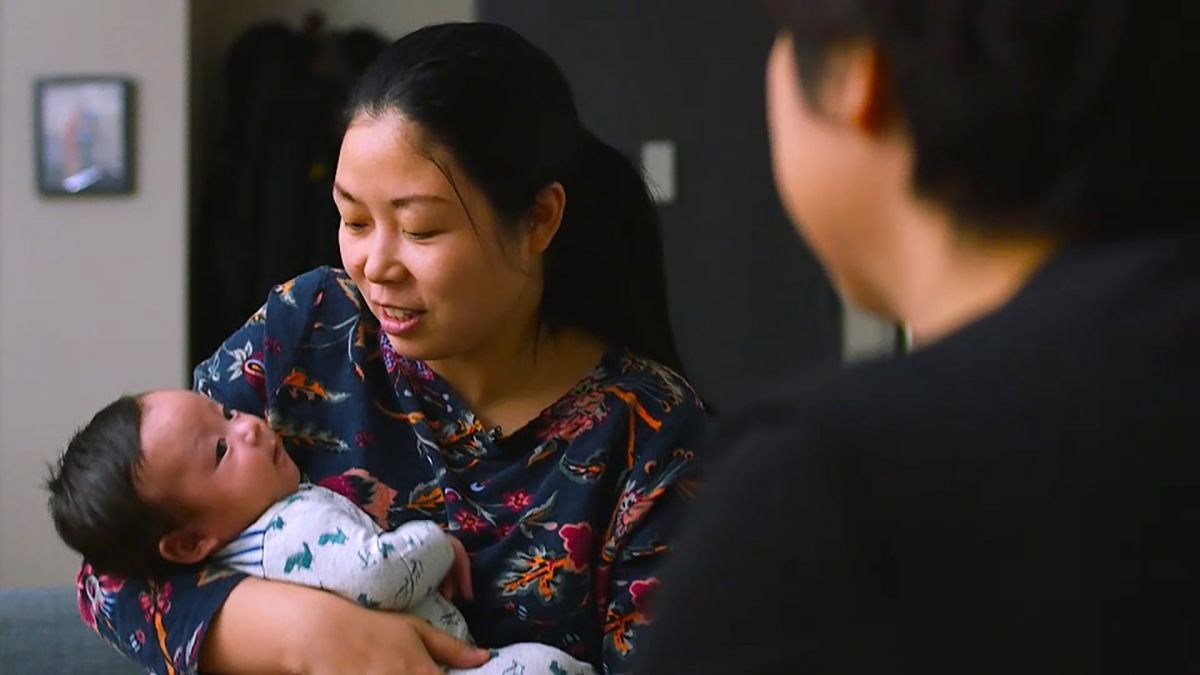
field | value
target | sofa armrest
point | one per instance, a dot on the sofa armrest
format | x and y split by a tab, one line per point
40	632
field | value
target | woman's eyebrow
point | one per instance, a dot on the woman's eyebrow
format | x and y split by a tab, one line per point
340	191
397	203
408	200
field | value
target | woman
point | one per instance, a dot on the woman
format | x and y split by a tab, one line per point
496	357
1015	180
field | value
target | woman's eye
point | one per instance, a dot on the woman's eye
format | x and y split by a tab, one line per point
354	227
228	412
222	448
419	236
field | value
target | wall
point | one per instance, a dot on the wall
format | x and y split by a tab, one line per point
215	26
747	298
866	336
91	289
80	278
216	23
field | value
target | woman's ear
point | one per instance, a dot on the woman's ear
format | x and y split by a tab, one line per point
546	217
186	546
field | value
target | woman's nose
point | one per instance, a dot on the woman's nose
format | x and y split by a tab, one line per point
383	256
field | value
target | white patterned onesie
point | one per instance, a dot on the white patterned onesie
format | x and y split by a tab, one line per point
318	538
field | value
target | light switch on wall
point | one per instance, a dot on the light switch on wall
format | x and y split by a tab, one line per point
658	165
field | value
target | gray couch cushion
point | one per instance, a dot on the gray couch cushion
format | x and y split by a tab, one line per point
40	632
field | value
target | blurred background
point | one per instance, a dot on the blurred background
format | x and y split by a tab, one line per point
235	138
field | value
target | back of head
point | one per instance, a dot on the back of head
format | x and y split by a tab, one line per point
506	113
1061	117
94	500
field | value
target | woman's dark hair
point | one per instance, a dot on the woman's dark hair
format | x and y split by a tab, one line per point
504	110
1061	117
94	500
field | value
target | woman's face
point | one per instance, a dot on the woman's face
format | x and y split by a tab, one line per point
440	286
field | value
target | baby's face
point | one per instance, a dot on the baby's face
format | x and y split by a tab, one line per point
220	468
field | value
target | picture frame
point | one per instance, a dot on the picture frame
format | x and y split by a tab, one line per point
83	126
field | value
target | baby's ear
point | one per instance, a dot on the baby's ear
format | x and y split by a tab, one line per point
186	546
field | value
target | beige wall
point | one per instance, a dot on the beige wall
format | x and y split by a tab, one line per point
91	289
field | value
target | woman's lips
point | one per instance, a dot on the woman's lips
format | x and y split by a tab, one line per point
399	320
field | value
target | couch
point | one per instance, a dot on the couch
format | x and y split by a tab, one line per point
41	634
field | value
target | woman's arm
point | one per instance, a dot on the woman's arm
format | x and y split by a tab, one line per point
653	498
160	625
274	627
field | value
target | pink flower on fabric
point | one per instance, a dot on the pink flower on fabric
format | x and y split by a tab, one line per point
518	501
255	371
568	428
503	531
641	591
159	602
470	522
137	640
96	593
147	605
341	485
577	540
360	487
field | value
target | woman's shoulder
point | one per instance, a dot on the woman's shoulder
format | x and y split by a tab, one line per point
322	288
650	385
322	296
319	307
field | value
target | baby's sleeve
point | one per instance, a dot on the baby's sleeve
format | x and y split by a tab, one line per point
322	540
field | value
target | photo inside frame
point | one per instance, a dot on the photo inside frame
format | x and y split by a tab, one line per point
83	136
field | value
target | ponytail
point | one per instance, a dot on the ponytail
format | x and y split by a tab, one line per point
604	269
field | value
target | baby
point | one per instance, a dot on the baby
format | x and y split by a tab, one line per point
172	478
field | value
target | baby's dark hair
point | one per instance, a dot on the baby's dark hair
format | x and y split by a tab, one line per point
94	499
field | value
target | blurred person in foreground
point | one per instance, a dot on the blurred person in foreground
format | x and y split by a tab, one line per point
1015	181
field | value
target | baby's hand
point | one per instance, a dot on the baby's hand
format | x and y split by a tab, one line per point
457	583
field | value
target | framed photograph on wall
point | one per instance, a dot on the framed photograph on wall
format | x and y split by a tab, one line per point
83	128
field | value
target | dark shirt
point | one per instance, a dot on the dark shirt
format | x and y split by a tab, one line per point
566	519
1019	497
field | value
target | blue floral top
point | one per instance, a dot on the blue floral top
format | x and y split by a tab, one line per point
566	520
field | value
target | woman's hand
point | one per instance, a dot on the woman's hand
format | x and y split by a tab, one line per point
386	643
457	583
274	627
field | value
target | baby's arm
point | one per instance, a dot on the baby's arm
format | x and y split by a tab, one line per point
321	539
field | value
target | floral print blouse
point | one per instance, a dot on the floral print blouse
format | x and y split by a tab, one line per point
566	520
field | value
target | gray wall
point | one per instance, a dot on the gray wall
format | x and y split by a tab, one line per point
215	24
91	289
747	298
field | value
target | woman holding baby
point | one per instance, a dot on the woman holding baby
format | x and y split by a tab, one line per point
496	357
